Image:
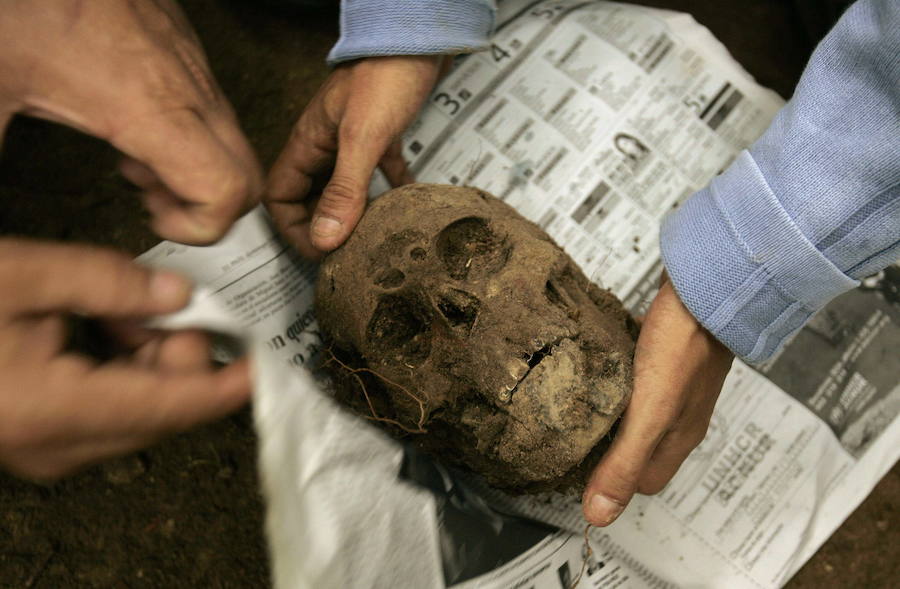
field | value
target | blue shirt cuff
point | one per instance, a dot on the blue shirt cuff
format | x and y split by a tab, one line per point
813	206
412	27
743	267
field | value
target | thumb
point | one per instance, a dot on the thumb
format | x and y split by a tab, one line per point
344	198
615	480
648	418
87	280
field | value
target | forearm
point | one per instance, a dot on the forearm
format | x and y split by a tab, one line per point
812	207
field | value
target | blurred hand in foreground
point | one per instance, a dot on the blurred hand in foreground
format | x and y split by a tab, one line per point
60	410
350	127
133	73
679	371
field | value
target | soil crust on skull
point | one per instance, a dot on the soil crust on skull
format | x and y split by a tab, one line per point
457	324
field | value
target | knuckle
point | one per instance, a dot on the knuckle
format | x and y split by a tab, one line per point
342	193
365	132
159	98
622	488
352	133
224	203
315	128
619	483
300	129
232	194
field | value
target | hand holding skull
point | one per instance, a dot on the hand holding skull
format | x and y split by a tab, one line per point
350	127
679	368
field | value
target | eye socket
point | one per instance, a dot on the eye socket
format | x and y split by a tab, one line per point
400	329
468	246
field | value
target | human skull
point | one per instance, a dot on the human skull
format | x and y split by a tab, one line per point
447	296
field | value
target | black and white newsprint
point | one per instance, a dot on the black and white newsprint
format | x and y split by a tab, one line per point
593	119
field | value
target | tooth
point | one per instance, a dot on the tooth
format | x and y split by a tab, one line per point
517	369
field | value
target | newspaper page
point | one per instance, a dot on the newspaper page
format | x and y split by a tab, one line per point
594	119
257	278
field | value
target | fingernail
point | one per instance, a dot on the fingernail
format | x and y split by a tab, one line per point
603	510
325	226
169	288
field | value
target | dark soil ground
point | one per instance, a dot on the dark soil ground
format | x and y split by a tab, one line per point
187	513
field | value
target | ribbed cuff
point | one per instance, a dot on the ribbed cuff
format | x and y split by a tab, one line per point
743	267
412	27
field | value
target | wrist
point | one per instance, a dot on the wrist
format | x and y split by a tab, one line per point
741	265
411	27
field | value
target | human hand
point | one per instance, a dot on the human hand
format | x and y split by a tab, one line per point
60	410
351	125
679	371
133	73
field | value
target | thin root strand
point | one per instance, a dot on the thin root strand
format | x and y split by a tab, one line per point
588	552
355	372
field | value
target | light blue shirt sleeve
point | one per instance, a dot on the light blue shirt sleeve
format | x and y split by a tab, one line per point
810	208
412	27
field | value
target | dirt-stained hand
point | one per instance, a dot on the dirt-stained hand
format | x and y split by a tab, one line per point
133	73
351	126
60	410
679	371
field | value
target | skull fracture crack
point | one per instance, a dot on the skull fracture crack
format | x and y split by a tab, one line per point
446	311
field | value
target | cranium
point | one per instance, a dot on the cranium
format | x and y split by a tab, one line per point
447	295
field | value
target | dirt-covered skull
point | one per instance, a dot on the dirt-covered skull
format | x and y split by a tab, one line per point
447	311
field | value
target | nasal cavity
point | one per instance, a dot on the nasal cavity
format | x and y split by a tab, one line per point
459	308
